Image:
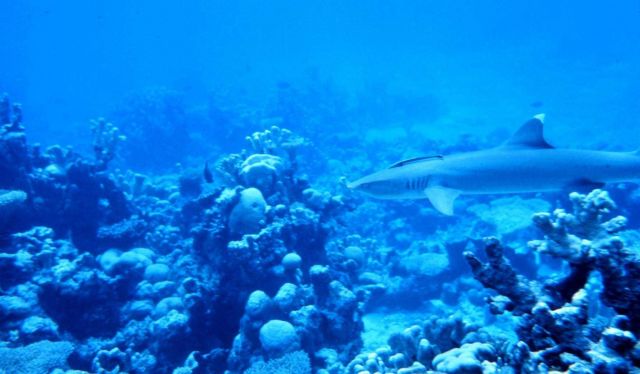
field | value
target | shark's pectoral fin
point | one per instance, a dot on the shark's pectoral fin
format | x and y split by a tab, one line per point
442	198
583	185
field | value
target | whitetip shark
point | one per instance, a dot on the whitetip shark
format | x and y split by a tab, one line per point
525	163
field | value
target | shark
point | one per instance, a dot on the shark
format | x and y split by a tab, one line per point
526	162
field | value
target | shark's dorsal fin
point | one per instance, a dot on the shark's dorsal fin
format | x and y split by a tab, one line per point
414	160
529	135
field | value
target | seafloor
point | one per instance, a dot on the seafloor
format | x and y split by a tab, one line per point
261	260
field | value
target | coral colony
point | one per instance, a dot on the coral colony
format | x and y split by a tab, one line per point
258	266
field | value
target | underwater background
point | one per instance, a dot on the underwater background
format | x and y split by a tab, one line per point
173	188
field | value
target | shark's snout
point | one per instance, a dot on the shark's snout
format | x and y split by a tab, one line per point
359	183
352	185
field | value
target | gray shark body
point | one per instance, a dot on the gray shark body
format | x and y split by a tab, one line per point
525	163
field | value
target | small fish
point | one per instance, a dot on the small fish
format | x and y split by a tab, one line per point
525	163
208	177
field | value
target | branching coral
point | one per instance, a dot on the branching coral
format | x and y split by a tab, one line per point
550	327
229	168
571	236
587	239
555	322
5	109
500	276
10	115
433	343
15	162
276	141
106	138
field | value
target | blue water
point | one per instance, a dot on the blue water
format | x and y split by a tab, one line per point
163	240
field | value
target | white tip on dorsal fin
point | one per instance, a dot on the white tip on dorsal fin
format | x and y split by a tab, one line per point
529	135
539	117
442	198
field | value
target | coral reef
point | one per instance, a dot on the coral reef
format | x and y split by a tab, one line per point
144	266
561	322
105	141
12	204
446	344
15	162
63	190
555	318
274	266
40	357
294	362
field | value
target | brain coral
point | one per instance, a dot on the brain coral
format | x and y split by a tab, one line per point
278	337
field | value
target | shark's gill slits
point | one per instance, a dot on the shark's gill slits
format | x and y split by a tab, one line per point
419	183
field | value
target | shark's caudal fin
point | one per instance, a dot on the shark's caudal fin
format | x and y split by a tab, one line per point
442	198
529	135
